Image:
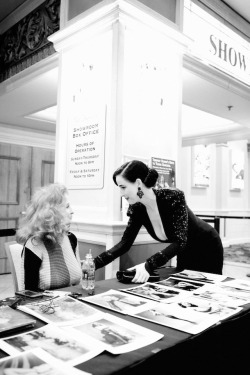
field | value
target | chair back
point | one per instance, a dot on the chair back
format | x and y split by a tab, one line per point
13	251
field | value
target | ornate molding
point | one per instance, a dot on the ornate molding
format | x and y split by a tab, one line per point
105	14
226	13
27	42
216	76
21	136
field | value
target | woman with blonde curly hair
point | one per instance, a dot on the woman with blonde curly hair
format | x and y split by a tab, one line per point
50	256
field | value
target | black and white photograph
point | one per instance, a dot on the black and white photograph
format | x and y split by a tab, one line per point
156	292
117	301
206	307
238	283
36	362
233	292
203	277
56	342
174	316
60	311
219	295
117	334
187	285
12	319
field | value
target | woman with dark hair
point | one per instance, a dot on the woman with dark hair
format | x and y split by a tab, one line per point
50	258
168	219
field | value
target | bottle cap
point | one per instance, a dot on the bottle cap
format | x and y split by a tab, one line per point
89	255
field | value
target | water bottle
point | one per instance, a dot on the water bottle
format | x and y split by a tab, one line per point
91	274
88	274
85	271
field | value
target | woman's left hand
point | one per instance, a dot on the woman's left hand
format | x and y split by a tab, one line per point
141	275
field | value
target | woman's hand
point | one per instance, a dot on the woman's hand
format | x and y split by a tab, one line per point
141	275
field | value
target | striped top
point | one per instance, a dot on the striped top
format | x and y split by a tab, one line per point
51	266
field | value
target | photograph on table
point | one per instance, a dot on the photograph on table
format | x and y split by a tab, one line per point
56	342
200	276
187	285
230	291
219	295
156	292
238	283
117	301
36	362
11	319
234	291
116	334
60	311
201	305
174	316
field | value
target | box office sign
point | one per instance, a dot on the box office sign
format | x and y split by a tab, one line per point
86	150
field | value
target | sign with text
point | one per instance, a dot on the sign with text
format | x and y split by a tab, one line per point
216	43
86	150
166	170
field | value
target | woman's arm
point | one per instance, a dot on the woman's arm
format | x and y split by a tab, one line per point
122	247
162	257
32	265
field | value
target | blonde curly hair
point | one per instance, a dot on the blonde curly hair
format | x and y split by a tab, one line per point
45	215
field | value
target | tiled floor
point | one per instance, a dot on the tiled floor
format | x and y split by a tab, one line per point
6	286
237	253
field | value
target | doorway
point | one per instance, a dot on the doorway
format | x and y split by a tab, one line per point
22	170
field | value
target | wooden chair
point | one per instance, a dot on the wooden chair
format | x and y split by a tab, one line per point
13	251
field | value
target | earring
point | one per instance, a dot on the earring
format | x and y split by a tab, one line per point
140	193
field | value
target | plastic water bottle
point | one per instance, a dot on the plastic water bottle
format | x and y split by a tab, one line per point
84	274
88	274
91	274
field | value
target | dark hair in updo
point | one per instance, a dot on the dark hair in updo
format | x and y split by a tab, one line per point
137	169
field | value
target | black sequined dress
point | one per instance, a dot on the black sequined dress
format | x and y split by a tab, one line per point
196	243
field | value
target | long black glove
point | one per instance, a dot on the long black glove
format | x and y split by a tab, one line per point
103	259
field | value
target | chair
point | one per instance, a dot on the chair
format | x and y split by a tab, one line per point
13	251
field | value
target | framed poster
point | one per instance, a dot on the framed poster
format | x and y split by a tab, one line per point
236	169
166	170
201	159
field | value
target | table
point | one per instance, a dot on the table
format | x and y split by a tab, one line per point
223	347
